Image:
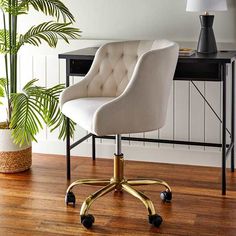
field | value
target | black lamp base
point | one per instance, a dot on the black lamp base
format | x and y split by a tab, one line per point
207	42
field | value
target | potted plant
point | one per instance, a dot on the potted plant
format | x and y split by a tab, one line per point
26	110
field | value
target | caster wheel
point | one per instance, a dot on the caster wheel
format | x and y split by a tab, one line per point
87	221
155	220
166	196
70	198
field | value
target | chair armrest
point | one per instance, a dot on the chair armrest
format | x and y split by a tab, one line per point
75	91
81	89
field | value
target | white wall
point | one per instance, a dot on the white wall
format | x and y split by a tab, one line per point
143	19
104	20
132	19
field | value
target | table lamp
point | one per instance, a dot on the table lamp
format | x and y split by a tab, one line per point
206	42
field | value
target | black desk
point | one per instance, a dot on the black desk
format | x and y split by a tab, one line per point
195	68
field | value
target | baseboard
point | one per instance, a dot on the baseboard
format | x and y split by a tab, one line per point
138	153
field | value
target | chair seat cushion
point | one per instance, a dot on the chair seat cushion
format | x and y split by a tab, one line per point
82	110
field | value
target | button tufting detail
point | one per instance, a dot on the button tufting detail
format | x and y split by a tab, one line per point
116	68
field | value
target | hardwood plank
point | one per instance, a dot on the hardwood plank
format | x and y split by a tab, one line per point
32	202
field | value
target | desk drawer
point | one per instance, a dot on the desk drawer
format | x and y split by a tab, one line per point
198	71
79	67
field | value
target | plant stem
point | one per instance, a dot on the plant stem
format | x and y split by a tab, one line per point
13	41
14	54
7	73
5	38
10	43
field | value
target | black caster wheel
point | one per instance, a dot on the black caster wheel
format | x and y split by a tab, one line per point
155	220
87	221
70	199
166	196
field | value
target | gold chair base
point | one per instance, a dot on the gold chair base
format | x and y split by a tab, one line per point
117	183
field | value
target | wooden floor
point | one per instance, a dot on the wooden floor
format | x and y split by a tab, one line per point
32	203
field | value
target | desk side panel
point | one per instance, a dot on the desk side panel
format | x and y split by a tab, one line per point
197	114
198	71
79	67
212	124
181	113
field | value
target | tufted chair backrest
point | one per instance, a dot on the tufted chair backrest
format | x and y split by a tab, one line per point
114	65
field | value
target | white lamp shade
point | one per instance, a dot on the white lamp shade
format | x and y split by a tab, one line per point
206	5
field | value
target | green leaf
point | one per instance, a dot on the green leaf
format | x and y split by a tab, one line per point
25	120
48	32
3	88
34	105
4	41
4	5
15	7
53	8
63	127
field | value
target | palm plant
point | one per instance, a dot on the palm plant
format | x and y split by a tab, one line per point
27	109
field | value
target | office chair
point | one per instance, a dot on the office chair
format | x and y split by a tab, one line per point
126	91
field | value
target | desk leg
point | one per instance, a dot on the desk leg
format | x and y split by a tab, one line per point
224	132
233	116
67	128
68	148
93	147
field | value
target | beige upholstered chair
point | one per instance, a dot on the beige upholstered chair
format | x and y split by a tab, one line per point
126	91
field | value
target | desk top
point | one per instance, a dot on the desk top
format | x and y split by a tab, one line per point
84	53
221	57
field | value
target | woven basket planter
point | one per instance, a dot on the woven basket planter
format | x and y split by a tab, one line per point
13	158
